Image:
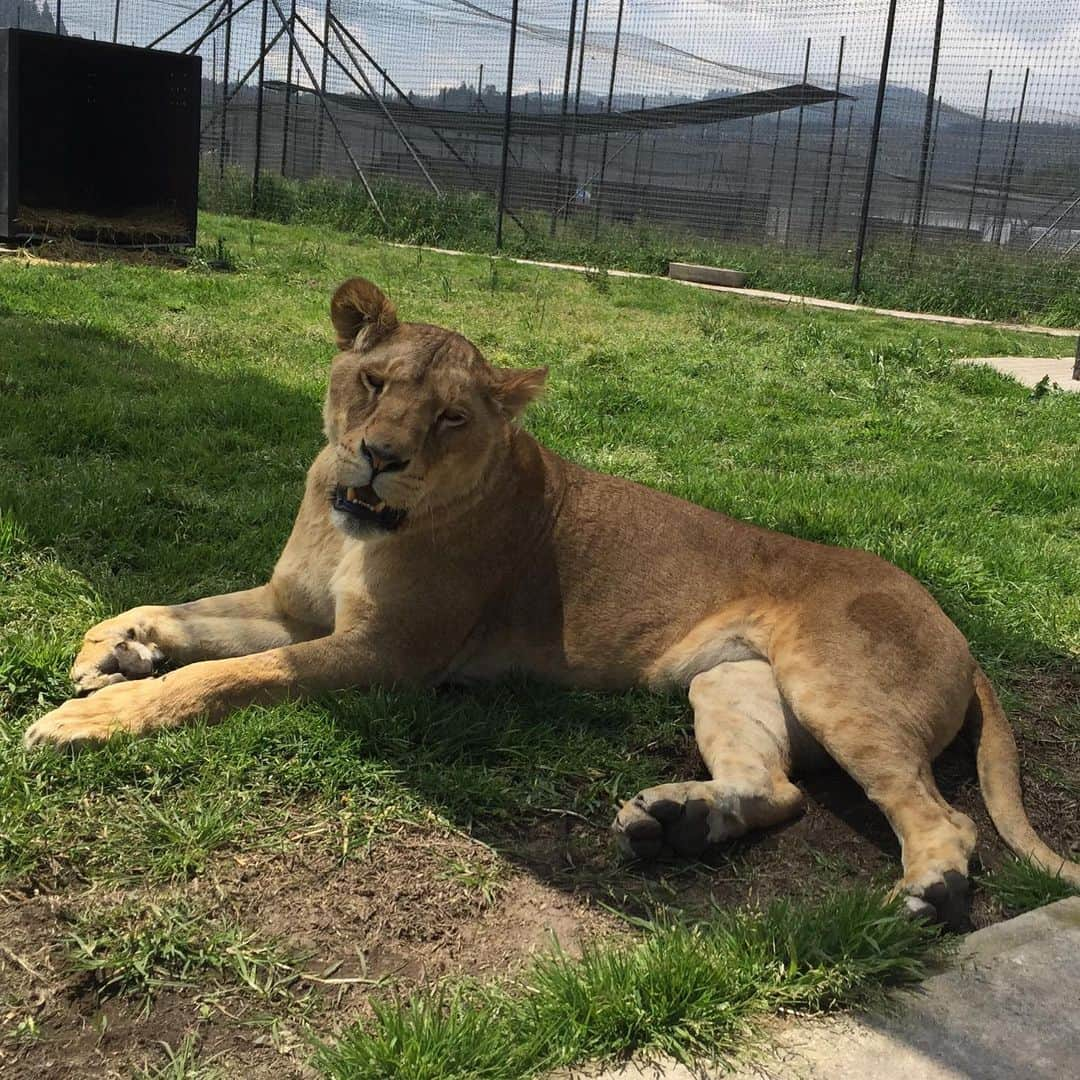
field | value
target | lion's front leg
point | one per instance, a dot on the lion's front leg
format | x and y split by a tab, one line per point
135	644
212	689
132	707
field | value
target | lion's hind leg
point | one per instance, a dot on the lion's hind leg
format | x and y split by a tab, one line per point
886	743
748	739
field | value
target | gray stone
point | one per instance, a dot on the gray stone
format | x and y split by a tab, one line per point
709	275
1031	370
1006	1008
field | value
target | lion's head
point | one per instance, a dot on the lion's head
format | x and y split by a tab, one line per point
414	412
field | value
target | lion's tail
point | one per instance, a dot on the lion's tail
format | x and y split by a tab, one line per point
999	777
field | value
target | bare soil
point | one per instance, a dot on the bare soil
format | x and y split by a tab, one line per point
402	913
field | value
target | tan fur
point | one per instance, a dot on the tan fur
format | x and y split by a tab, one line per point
512	558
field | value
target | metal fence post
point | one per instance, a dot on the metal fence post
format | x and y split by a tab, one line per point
1011	167
259	111
979	152
59	5
928	119
637	148
798	143
288	94
832	145
610	98
930	160
871	154
772	168
577	101
116	22
565	103
506	124
223	149
320	130
843	169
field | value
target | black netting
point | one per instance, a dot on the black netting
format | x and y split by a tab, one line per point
737	129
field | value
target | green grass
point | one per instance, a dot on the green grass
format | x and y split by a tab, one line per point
684	990
143	947
155	426
976	281
1018	886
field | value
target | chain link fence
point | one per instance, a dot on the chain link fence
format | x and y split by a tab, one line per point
923	155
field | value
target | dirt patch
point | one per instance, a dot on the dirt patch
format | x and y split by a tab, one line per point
425	903
73	252
416	907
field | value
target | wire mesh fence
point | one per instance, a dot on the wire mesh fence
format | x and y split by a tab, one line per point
925	154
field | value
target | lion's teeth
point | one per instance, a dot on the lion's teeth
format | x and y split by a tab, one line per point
350	494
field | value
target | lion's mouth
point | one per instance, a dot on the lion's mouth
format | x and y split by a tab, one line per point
365	504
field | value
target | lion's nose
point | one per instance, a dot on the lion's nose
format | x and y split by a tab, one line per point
382	458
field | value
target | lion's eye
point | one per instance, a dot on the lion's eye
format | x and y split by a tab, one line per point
372	382
452	418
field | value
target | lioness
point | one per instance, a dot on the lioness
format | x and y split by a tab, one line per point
438	541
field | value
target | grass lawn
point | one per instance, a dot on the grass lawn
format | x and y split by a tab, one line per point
242	893
975	280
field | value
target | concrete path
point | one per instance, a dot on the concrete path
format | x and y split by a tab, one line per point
1030	370
1007	1009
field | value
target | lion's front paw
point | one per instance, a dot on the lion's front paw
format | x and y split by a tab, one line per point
131	707
113	658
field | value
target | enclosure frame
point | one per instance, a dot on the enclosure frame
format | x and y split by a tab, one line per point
175	67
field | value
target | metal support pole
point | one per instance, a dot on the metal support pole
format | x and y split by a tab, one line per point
1076	362
740	206
214	25
772	170
259	110
58	7
565	102
610	99
871	154
798	142
224	145
168	33
979	152
263	54
577	103
326	108
843	169
1053	225
319	127
637	149
341	29
369	89
116	22
832	144
1011	168
507	106
288	95
928	119
930	162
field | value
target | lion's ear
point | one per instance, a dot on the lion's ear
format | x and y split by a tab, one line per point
514	390
361	314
